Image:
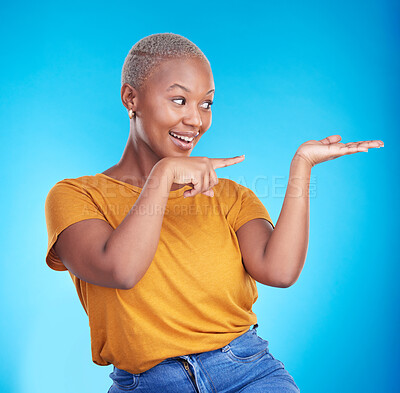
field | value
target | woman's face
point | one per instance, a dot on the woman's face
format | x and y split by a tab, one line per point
176	98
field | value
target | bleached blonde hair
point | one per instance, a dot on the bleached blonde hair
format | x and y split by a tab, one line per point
151	51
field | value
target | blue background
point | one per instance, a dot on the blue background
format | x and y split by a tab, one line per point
285	72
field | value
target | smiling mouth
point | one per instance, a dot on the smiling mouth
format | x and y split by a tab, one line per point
184	139
183	142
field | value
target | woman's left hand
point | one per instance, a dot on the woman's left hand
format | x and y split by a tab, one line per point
315	152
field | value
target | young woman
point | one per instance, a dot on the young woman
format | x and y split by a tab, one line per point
164	255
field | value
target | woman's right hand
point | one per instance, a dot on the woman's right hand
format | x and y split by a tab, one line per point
198	172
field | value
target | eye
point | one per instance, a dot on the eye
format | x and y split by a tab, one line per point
209	103
179	99
183	101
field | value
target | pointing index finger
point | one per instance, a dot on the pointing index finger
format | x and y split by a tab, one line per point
223	162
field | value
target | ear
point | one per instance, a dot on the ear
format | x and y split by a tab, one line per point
129	97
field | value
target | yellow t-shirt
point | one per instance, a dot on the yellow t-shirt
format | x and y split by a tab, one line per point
196	295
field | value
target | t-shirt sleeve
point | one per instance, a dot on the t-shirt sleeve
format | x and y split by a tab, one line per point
66	203
249	207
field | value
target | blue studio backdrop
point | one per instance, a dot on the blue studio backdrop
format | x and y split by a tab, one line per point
285	72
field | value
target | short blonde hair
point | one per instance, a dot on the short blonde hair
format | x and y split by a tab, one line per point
151	51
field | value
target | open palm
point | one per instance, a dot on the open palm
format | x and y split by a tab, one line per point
315	152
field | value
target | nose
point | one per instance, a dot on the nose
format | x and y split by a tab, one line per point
193	117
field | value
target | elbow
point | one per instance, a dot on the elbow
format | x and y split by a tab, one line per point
285	281
288	276
125	285
123	279
291	280
282	270
127	275
126	282
279	281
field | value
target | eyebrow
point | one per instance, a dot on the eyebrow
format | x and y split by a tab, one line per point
185	88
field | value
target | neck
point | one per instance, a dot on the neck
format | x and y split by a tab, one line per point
136	163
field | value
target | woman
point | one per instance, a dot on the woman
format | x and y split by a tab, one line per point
163	254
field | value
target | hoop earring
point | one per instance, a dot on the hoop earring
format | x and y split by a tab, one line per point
131	114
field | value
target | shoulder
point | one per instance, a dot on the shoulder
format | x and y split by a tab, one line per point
227	188
69	188
82	183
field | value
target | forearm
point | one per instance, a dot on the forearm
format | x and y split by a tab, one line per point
132	245
286	250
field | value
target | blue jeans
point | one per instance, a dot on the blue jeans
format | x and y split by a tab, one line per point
244	365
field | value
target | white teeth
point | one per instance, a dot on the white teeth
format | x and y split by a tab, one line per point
186	138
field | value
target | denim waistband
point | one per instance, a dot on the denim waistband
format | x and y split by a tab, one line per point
254	327
174	358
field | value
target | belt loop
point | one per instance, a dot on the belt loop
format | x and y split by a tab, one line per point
255	326
226	348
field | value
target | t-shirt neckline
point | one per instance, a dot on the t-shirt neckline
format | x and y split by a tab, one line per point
172	194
